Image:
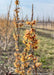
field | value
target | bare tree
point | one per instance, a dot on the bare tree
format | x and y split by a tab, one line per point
32	13
8	15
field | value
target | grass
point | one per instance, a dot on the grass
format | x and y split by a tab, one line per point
4	54
49	26
5	57
1	62
45	31
46	52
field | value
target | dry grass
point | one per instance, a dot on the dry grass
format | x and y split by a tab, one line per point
45	26
4	29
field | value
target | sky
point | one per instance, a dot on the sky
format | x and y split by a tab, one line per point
41	8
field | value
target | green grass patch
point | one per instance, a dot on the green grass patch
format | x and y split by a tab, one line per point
5	57
1	62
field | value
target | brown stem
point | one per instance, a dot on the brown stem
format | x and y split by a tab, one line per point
36	70
33	54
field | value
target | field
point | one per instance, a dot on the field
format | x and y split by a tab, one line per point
26	45
45	51
48	26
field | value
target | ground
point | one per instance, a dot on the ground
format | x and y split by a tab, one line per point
45	52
